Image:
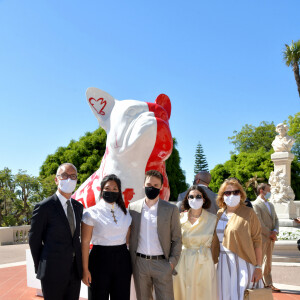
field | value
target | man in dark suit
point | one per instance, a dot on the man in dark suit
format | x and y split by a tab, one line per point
54	239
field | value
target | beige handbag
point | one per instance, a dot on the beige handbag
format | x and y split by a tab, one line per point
258	294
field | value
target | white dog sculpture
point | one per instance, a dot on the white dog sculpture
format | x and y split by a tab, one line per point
138	139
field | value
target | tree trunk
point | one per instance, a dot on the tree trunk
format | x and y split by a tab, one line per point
297	76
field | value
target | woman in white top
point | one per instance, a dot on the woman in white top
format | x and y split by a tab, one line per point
237	243
107	269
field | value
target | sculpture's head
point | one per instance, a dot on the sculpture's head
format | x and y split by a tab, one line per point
130	124
282	129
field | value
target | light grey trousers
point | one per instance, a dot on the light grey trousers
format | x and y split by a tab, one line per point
149	274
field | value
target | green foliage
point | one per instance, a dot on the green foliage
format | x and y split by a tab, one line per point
85	154
7	195
243	166
18	194
200	160
175	174
291	234
251	138
218	174
253	161
291	54
295	178
47	186
294	131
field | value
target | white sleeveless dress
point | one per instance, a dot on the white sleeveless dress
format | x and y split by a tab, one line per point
233	273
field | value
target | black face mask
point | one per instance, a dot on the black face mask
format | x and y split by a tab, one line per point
110	197
151	192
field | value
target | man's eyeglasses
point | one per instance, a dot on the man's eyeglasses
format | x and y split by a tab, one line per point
235	193
65	176
197	197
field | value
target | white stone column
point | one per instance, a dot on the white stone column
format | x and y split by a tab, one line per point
282	161
282	194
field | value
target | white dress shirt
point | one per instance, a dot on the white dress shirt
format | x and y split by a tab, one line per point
106	232
148	240
267	204
64	204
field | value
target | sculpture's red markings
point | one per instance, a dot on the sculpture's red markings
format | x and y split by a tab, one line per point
128	195
97	107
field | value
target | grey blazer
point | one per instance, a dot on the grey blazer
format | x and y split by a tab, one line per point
168	229
268	221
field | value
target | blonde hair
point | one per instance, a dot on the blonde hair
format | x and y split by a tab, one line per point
234	182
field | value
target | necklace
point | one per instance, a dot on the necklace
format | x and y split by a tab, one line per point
113	213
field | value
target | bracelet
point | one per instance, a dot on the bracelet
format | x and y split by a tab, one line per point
258	267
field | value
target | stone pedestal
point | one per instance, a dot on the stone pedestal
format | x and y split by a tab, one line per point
282	161
282	193
287	212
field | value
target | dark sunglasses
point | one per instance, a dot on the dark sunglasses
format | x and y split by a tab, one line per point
197	197
235	193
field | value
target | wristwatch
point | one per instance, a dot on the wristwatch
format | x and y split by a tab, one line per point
258	267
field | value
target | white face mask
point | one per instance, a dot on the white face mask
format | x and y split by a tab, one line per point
267	195
67	186
232	200
195	203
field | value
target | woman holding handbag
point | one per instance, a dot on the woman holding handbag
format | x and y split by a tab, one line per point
237	244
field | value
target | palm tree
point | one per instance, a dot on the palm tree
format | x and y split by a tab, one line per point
291	55
253	182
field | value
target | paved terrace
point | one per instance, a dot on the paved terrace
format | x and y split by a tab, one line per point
13	282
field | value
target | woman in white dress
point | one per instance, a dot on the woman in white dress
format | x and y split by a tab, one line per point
237	244
107	269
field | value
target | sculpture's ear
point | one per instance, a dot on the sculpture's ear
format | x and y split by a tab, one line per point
165	102
101	104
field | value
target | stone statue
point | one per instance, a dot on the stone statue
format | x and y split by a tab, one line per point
282	142
281	192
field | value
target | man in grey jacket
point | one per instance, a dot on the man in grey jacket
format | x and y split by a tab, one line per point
155	241
202	179
269	228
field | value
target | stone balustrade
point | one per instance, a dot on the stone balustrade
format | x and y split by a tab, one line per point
284	251
14	235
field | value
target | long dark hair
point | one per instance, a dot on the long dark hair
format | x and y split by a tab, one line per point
116	179
206	202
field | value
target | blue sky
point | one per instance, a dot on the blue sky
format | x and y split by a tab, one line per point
220	62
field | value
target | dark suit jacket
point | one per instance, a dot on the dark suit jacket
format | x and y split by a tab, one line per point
168	229
51	243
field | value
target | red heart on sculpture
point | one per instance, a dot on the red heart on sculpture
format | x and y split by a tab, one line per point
98	105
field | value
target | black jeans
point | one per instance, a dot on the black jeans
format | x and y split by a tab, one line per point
110	268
